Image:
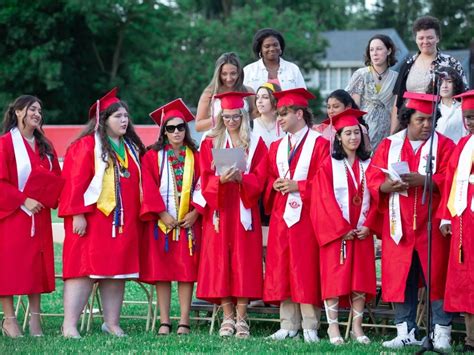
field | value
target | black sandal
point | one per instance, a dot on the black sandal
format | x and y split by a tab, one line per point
183	326
167	325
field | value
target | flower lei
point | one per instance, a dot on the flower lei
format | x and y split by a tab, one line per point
177	163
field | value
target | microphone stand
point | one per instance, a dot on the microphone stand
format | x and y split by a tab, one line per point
428	193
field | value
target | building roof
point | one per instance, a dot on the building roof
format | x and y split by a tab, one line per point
349	46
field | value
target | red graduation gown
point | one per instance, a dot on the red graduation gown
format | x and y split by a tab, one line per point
396	259
292	262
97	252
26	263
155	263
459	295
357	273
231	259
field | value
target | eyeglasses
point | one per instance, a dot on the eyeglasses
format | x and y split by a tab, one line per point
171	128
234	118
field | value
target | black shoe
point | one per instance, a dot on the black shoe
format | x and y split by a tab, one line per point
468	349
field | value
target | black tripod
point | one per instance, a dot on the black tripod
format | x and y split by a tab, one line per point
428	193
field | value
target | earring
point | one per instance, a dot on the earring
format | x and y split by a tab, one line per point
260	54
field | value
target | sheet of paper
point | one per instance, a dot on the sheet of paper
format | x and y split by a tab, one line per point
401	168
224	159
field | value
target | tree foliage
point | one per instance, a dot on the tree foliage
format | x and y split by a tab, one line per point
69	52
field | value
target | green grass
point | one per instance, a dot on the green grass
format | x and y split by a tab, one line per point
54	217
140	341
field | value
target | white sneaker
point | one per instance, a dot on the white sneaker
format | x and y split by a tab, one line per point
310	336
403	338
442	337
282	334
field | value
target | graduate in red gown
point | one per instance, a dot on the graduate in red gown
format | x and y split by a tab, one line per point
341	213
405	218
230	266
459	224
100	205
172	232
30	186
292	263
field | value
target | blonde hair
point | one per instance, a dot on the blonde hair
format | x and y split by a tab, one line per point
218	132
226	58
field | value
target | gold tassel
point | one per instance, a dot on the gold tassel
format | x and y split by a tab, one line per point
414	222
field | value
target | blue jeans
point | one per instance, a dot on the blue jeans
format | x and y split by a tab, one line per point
406	311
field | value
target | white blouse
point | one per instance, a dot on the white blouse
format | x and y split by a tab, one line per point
289	75
451	123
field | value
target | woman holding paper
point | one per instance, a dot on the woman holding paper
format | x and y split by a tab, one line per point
30	185
341	216
230	268
100	204
169	248
405	218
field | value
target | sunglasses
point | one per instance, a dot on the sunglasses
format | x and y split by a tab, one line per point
234	118
171	128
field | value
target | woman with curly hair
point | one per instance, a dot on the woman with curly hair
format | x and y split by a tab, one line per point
268	47
100	205
417	70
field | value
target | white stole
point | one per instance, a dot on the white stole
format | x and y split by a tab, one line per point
462	178
95	187
294	203
23	168
341	188
394	155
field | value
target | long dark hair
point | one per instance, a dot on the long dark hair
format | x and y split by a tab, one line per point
163	140
10	120
346	99
130	135
338	152
458	85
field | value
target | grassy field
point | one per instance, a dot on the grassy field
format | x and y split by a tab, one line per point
140	341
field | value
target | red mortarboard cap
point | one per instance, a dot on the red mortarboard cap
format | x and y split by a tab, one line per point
232	100
104	102
347	118
293	97
420	102
175	108
467	100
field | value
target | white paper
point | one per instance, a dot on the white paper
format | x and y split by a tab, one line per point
227	158
396	169
401	167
